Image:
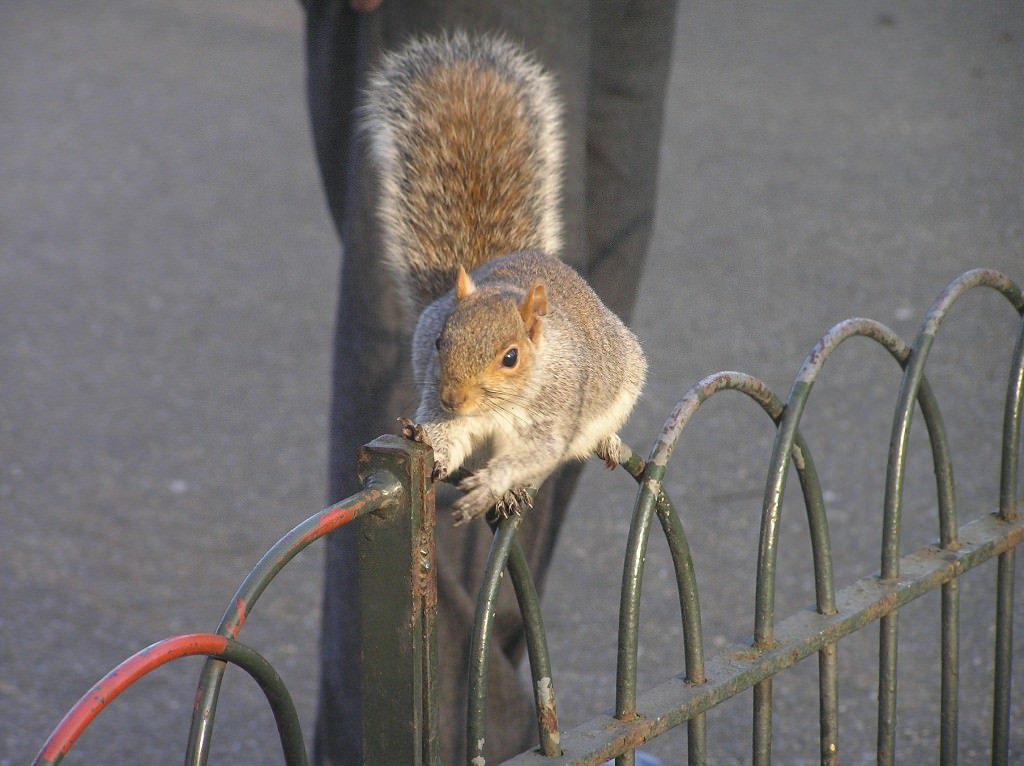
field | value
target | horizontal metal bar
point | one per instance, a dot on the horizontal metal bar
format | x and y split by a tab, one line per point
741	666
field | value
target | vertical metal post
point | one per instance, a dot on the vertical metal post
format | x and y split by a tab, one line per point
1003	668
479	651
1004	582
398	611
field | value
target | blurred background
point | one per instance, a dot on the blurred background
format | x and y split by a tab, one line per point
167	288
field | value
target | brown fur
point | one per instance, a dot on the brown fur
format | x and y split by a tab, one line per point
448	201
520	366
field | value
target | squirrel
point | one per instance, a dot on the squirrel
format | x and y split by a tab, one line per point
513	353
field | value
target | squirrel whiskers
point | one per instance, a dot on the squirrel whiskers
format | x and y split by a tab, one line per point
520	362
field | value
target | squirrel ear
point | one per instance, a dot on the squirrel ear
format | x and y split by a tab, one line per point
463	284
533	308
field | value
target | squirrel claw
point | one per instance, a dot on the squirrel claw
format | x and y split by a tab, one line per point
479	498
515	500
609	450
414	431
417	433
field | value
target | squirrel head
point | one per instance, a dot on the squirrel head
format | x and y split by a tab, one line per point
488	345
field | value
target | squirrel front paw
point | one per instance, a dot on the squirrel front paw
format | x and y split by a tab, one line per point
609	449
414	431
417	433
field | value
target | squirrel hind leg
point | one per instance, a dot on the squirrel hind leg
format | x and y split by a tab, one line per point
481	496
516	500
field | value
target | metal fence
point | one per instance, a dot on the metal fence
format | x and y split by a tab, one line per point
396	508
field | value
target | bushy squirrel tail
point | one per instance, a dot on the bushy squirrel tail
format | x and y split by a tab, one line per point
466	136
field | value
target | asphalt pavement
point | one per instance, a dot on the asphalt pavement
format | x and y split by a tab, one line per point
167	286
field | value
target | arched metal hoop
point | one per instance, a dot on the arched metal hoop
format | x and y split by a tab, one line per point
107	689
651	497
910	387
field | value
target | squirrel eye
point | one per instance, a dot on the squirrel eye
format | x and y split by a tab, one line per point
437	342
511	358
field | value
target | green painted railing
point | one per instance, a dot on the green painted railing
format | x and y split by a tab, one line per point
396	512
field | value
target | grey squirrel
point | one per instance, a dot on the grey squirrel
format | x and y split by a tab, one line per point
514	355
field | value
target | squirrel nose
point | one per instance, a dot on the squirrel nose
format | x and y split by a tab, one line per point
454	397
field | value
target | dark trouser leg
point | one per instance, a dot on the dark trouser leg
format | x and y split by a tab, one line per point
371	373
630	58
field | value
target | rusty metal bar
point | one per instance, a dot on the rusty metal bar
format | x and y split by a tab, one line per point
632	582
1005	573
768	545
1003	665
784	444
537	651
821	552
689	601
108	688
888	629
682	562
828	706
632	576
380	490
693	640
506	552
629	604
888	632
1012	428
479	657
742	666
398	609
950	671
400	708
910	386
